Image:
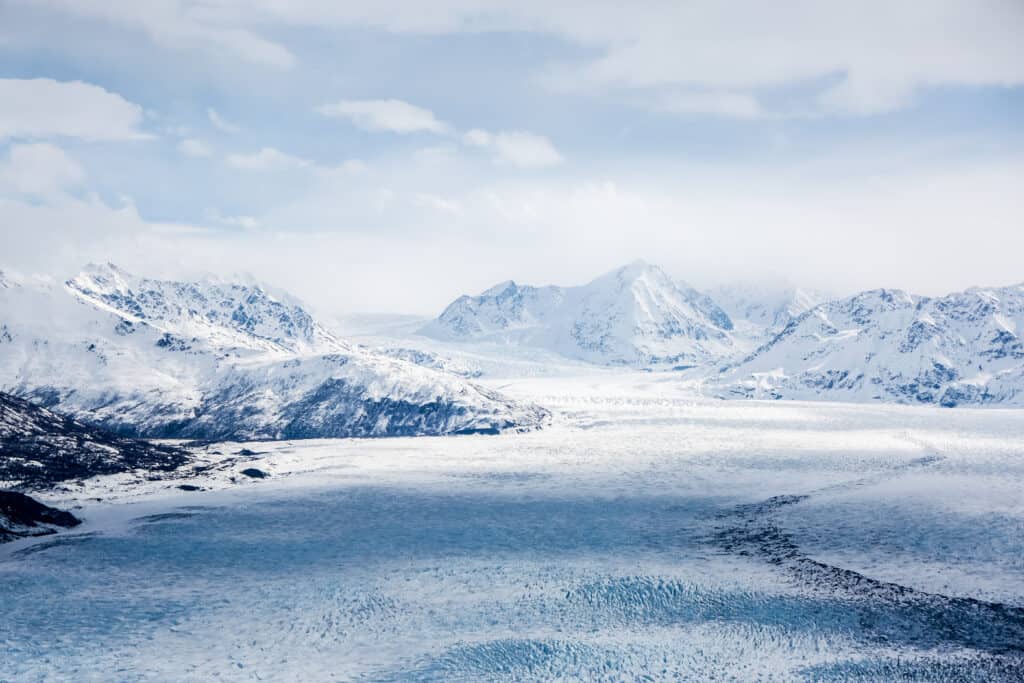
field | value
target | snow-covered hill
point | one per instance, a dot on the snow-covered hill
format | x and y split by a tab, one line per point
887	345
220	360
635	315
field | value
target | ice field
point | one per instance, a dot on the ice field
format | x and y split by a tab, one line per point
646	534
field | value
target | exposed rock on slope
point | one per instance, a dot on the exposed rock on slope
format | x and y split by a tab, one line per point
39	448
888	345
22	516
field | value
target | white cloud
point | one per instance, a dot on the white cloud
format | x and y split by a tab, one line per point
886	50
516	147
392	115
437	203
796	219
197	149
220	123
883	51
187	25
243	222
477	138
267	159
39	170
41	108
732	105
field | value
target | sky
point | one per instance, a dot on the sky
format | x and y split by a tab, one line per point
390	156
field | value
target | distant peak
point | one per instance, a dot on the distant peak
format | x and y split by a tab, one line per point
106	268
638	266
501	288
635	270
101	277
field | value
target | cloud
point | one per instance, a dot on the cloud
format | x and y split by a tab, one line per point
197	149
243	222
220	123
267	159
437	203
39	170
477	138
42	108
392	115
885	51
185	25
729	104
516	147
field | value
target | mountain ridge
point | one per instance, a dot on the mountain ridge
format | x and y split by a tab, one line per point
632	315
199	360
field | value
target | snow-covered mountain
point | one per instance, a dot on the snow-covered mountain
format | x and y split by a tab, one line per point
887	345
635	315
215	360
225	314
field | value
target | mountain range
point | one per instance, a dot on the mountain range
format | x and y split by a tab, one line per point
217	359
220	360
767	342
635	315
888	345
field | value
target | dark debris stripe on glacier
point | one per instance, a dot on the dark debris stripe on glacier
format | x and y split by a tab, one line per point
887	612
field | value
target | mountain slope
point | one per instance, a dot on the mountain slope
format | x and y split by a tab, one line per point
39	447
223	313
888	345
635	315
213	360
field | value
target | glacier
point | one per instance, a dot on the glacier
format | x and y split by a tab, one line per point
647	534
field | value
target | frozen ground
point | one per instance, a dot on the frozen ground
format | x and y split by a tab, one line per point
648	534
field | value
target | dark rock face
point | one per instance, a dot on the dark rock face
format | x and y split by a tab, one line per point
22	516
39	448
255	473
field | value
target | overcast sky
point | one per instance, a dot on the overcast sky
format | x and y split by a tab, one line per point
391	155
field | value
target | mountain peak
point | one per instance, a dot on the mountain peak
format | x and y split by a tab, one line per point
637	268
633	273
501	288
635	314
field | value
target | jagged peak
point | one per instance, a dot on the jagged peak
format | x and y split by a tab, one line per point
501	288
886	295
101	278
